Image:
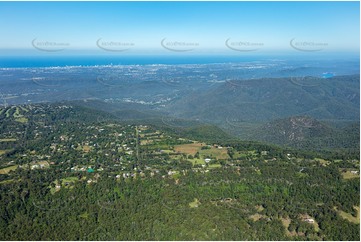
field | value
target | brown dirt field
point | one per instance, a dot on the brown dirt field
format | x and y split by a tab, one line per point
190	149
86	148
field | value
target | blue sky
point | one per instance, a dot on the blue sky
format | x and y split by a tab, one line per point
199	27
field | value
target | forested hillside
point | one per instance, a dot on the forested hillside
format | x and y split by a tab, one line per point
72	173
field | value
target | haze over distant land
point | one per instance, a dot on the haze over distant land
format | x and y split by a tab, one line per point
238	65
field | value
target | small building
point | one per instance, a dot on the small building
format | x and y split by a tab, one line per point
171	173
309	220
207	160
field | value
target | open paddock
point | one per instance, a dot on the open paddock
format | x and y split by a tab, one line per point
349	217
8	140
6	170
215	153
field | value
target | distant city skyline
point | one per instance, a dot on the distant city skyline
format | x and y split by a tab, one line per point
125	28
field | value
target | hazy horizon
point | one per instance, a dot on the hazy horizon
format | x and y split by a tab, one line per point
179	28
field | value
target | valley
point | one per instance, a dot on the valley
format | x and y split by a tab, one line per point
251	101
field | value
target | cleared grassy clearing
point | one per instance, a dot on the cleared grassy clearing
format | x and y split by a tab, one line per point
67	182
84	215
19	117
192	149
40	164
17	113
3	152
244	154
349	217
255	217
175	157
7	114
214	152
157	147
21	120
6	170
349	175
196	161
286	222
322	161
305	217
149	141
8	140
86	148
194	204
166	151
212	166
53	190
259	208
151	135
